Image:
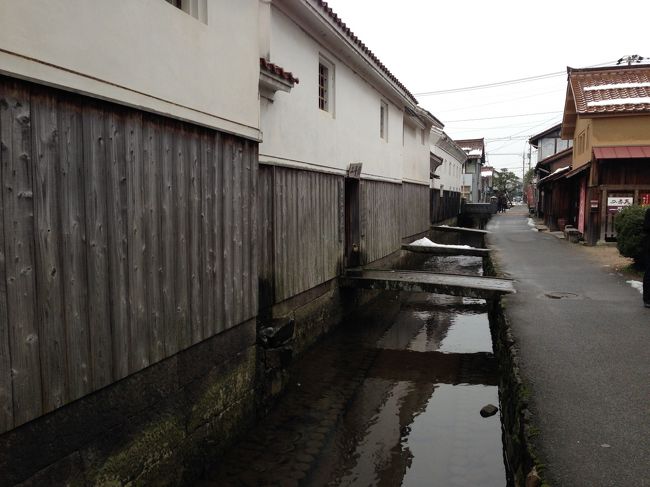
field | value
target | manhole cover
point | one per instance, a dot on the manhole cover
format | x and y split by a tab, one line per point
561	295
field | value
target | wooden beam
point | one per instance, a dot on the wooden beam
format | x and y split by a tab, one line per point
428	282
443	228
446	251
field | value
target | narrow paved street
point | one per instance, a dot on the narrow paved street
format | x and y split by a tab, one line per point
586	358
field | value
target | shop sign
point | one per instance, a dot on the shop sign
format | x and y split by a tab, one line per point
617	203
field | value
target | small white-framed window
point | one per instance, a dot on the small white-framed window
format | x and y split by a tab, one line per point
325	85
383	120
196	8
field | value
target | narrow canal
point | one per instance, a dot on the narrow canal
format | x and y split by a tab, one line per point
391	398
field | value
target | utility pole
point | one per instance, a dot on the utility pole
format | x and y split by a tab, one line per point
530	155
523	166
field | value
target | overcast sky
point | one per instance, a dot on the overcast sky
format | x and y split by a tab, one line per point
435	45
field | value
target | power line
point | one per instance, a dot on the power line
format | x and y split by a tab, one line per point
508	137
503	116
493	85
497	127
496	84
508	100
525	130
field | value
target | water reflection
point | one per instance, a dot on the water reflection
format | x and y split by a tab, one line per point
392	398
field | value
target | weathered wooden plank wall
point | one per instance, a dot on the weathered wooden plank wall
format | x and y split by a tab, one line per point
381	211
301	243
444	206
415	209
266	267
124	238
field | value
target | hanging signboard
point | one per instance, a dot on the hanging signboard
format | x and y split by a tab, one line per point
354	170
616	203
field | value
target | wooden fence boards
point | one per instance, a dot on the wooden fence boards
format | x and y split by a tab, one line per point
303	211
381	211
95	189
18	206
444	205
237	232
179	237
253	278
265	238
208	233
118	271
124	238
139	342
49	299
152	151
415	209
167	240
74	259
195	228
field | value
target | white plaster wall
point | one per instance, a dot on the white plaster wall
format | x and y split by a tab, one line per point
416	155
450	172
296	132
143	53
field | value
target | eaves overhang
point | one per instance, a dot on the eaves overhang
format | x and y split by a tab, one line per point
318	20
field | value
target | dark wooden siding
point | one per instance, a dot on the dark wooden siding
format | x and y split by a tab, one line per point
444	205
301	214
415	209
624	172
124	238
381	211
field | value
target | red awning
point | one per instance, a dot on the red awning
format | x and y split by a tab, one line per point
622	152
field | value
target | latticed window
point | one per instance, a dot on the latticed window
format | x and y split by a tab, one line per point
323	86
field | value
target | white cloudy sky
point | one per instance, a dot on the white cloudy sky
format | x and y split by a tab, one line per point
435	45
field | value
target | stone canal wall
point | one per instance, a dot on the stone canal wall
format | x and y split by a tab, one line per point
521	462
156	427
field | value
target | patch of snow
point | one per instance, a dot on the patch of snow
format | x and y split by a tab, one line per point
638	285
617	86
531	222
620	101
486	174
475	152
560	169
425	242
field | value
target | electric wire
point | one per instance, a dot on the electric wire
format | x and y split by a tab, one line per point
496	84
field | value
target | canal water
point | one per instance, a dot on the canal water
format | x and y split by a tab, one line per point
391	398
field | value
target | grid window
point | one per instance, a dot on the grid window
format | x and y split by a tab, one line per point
383	120
323	87
196	8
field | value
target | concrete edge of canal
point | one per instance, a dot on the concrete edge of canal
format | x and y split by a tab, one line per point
522	464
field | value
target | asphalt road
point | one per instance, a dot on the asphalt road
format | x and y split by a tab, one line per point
586	360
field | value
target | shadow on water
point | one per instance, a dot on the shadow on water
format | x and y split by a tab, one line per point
391	398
